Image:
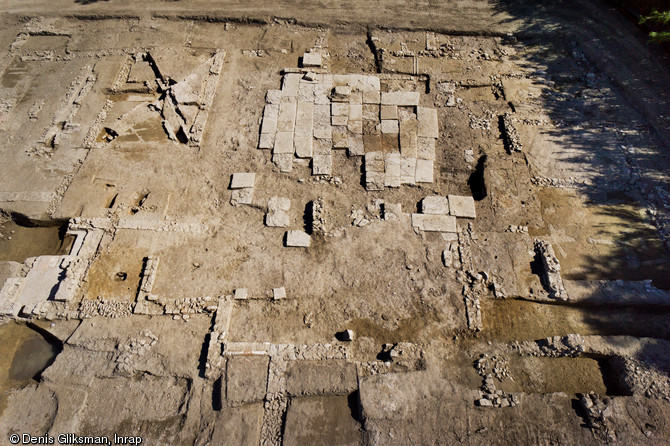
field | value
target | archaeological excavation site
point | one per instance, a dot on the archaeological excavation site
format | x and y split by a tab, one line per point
333	223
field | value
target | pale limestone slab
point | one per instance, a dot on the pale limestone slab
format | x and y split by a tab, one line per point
311	60
323	133
407	170
322	147
355	145
242	196
284	161
322	116
296	238
389	112
435	204
277	219
374	162
304	122
241	180
283	142
339	120
428	125
241	294
434	223
286	120
322	165
279	204
340	138
306	92
303	146
371	96
339	109
273	97
390	126
355	127
355	112
279	293
392	170
402	98
266	141
374	180
426	148
462	206
424	171
290	84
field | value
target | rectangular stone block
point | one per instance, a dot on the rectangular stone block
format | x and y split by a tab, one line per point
306	92
392	170
266	141
426	148
322	165
290	84
462	206
374	162
311	60
323	132
407	170
435	204
428	125
283	142
355	127
434	223
339	109
371	96
371	112
242	179
339	120
286	120
284	161
390	126
295	238
242	196
279	204
303	146
340	138
374	180
424	171
402	98
273	97
322	147
321	116
355	112
355	145
389	112
304	122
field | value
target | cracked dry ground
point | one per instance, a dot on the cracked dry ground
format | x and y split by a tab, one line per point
144	293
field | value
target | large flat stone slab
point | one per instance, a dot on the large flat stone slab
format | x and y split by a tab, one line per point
242	180
462	206
434	223
297	238
402	98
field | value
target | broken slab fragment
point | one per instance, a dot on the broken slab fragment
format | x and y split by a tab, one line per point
402	98
277	215
341	93
435	204
297	238
283	161
266	141
434	223
242	180
462	206
242	196
355	145
273	97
